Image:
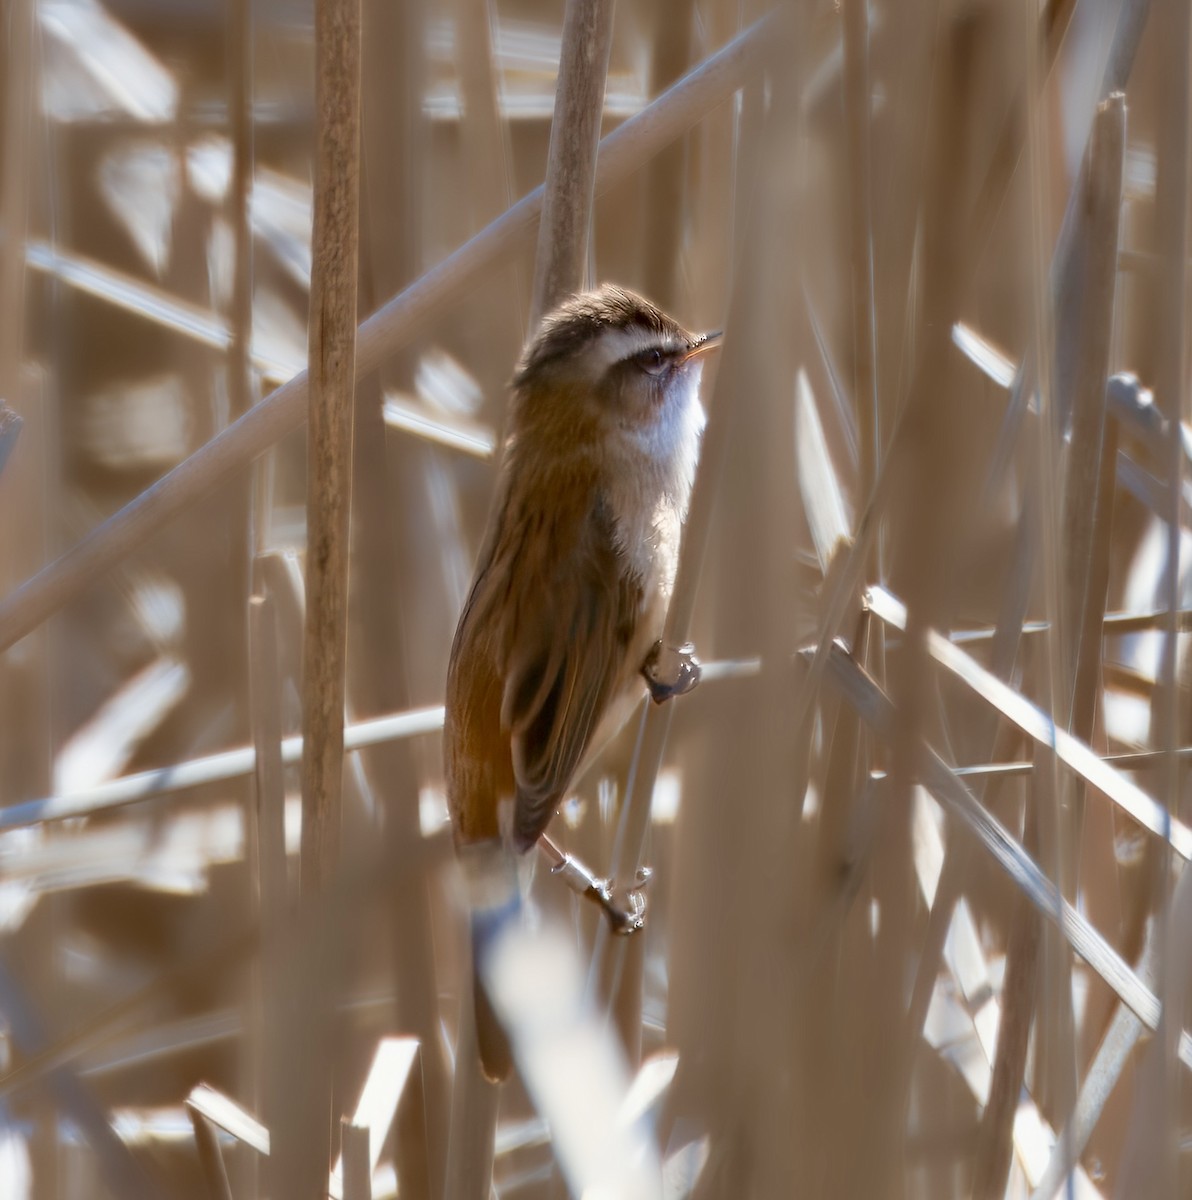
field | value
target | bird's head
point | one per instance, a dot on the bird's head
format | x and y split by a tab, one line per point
609	360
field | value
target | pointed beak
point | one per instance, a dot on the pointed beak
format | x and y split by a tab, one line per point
706	342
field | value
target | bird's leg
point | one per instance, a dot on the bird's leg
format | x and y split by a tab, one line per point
670	671
623	919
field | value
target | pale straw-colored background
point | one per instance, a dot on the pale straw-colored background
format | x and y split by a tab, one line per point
918	837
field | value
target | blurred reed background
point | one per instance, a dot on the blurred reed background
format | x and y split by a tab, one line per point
916	926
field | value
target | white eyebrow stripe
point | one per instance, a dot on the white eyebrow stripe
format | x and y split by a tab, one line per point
616	345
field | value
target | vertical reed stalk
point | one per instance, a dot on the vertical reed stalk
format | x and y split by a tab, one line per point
571	163
332	370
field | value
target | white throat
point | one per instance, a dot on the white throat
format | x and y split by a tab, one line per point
671	441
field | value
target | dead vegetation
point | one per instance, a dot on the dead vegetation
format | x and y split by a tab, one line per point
918	917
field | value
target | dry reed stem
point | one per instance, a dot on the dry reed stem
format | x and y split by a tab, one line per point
940	1133
1153	1166
713	174
739	1046
268	865
1113	1054
566	218
19	109
155	305
1087	520
390	328
858	102
1037	724
332	350
995	1144
10	430
212	768
609	951
486	147
485	135
192	970
846	835
419	1130
1066	258
357	1170
240	51
72	1098
264	851
634	820
559	268
960	854
666	183
1129	760
210	1155
931	505
99	1029
399	630
1152	1152
571	161
1090	485
1055	1067
268	793
878	712
1073	239
473	1114
1092	451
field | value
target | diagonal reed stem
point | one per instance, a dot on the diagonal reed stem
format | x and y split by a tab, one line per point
390	328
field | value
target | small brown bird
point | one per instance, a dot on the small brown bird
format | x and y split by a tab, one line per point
560	635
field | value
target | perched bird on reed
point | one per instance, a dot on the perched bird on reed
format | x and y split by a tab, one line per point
560	636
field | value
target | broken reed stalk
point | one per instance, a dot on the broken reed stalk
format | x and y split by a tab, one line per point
266	818
332	372
473	1113
390	328
357	1170
571	159
268	792
210	1155
265	858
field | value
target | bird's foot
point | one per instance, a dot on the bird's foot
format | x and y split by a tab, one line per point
622	918
630	917
670	671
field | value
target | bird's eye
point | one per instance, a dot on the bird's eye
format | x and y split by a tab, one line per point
653	361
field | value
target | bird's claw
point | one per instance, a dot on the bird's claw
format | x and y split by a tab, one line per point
622	918
629	918
670	671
